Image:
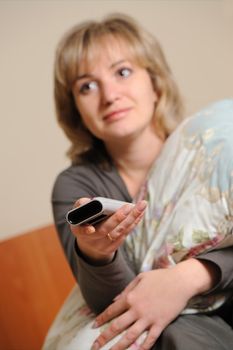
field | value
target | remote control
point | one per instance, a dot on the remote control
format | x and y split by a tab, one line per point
98	209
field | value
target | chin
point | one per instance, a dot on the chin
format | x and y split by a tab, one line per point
123	136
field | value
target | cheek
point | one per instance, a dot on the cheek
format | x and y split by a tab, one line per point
151	97
87	111
89	116
84	109
151	92
148	97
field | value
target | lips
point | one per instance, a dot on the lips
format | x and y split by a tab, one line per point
116	114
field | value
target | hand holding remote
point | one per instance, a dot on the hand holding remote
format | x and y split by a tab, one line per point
99	243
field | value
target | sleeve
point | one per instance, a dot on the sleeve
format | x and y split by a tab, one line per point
65	192
223	259
99	284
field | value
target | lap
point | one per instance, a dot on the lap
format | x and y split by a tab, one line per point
72	330
73	327
196	332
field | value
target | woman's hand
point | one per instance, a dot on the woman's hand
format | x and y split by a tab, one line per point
98	244
151	302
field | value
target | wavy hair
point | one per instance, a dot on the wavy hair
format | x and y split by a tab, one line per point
79	44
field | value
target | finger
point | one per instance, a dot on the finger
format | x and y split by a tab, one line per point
81	201
117	218
151	337
105	227
82	229
88	229
115	309
136	212
118	306
130	336
129	287
117	326
125	220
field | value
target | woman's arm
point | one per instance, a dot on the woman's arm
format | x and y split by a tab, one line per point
155	298
99	284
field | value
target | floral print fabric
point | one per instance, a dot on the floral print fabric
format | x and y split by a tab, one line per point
190	196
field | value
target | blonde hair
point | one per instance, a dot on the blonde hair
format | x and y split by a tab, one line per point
78	44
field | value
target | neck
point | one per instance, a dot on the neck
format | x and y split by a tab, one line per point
134	158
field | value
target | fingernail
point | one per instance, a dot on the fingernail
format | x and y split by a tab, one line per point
89	230
117	297
141	205
95	325
95	346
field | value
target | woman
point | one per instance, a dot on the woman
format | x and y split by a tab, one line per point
117	102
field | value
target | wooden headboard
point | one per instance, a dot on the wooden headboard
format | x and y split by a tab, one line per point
35	279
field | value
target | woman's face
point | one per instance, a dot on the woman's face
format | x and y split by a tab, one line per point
114	95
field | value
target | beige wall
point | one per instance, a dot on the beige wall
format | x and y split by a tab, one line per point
196	36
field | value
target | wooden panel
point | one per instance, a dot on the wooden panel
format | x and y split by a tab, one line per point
34	281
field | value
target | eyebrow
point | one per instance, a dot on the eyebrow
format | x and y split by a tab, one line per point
85	75
117	63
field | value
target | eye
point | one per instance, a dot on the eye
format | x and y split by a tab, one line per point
88	86
125	72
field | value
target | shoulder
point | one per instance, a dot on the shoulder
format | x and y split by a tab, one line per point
88	180
77	179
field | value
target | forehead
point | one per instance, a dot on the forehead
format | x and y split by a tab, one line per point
105	51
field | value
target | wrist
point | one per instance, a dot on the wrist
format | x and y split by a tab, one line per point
93	258
198	276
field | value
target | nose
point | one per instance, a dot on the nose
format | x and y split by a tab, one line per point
110	92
